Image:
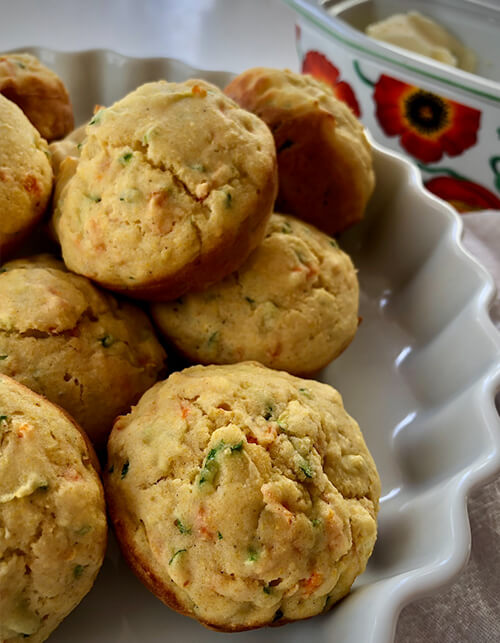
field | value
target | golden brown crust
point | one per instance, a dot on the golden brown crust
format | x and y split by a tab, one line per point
25	177
213	265
123	529
39	92
85	350
138	562
291	306
52	510
324	160
154	208
242	495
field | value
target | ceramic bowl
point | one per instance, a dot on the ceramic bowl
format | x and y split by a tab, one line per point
444	119
420	378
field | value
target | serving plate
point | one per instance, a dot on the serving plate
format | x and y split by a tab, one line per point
420	377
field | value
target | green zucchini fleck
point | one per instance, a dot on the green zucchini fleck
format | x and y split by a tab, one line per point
107	341
334	243
305	467
219	535
282	425
78	571
316	522
125	158
94	198
4	418
125	469
229	199
286	228
268	414
179	551
83	531
214	337
266	589
147	136
252	555
182	528
2	357
235	448
211	466
96	119
305	392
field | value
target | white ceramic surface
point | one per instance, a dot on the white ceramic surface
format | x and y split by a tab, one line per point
420	378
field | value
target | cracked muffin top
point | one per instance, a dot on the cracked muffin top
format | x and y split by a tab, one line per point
80	347
52	515
25	176
293	305
173	189
39	92
242	495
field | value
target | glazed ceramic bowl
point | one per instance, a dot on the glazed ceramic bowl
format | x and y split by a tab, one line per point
444	119
420	377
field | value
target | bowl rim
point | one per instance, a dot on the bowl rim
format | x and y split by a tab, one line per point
346	35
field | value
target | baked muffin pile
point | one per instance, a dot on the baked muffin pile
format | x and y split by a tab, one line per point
212	212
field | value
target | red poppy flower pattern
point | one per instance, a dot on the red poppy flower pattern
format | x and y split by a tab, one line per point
428	125
463	195
318	65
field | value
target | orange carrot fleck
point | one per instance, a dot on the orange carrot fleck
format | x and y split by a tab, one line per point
202	525
23	430
71	474
312	583
199	90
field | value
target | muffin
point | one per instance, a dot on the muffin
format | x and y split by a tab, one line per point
173	189
68	147
52	515
293	305
81	348
324	159
242	496
25	176
39	92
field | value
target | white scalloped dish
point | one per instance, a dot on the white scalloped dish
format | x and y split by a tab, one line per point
420	378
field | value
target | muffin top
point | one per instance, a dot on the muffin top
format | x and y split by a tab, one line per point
52	515
82	348
293	305
39	92
25	174
325	163
270	92
174	186
243	494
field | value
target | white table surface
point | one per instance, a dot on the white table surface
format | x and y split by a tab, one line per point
213	34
